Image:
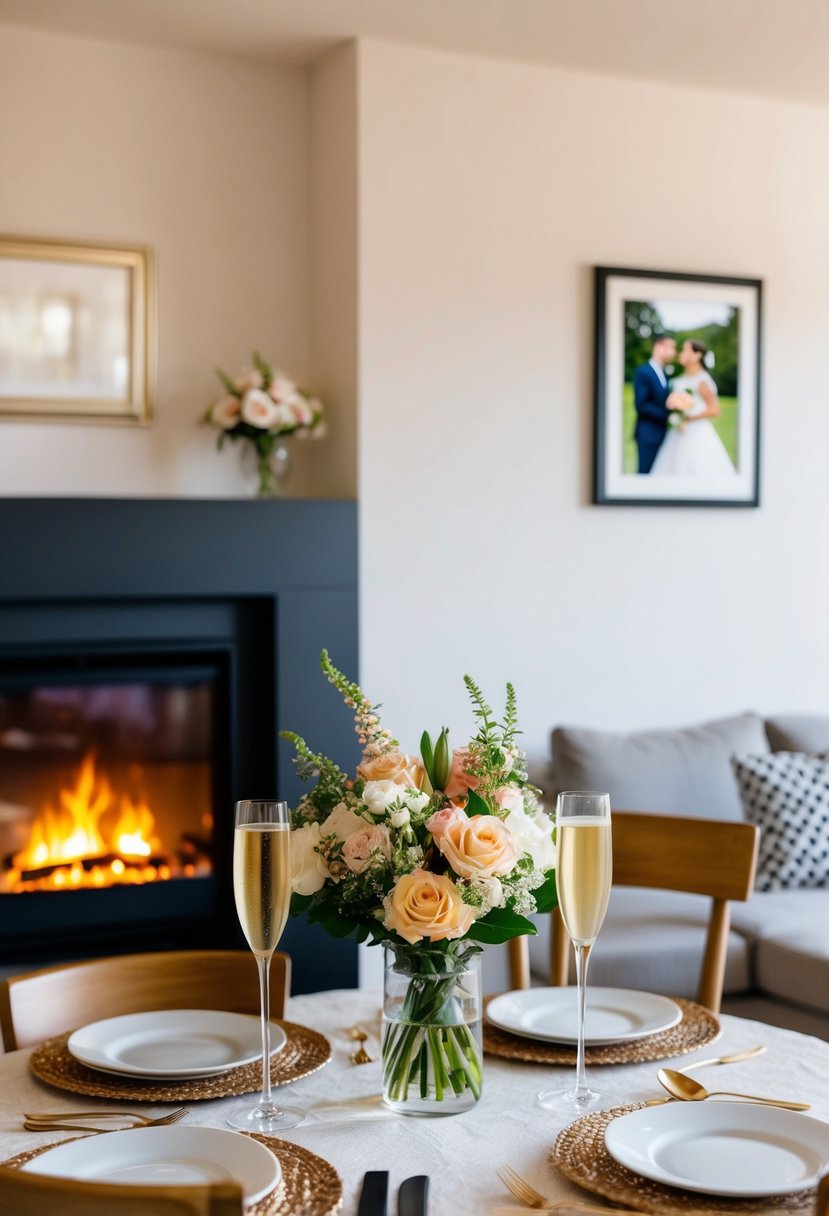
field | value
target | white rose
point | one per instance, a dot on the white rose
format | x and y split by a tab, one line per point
226	413
379	795
400	819
533	836
342	823
259	410
308	869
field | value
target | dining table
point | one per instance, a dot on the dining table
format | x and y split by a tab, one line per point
348	1125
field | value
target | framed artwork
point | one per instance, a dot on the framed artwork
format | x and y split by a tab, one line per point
677	383
77	331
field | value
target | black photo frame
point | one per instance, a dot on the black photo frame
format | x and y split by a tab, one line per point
677	425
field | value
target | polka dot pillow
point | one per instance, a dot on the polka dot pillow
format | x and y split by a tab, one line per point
786	794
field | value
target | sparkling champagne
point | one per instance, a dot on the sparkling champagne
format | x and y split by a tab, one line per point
584	868
262	882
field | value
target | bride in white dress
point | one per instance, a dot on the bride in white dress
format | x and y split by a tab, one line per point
693	448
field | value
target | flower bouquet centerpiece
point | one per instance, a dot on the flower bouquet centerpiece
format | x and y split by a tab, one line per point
432	855
265	407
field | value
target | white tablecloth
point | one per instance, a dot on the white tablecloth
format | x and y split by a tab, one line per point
348	1125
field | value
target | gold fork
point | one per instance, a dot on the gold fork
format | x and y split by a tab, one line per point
532	1198
63	1121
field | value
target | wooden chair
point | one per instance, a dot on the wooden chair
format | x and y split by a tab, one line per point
41	1004
711	857
21	1194
822	1208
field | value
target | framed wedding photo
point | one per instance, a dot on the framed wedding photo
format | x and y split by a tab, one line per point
76	331
677	384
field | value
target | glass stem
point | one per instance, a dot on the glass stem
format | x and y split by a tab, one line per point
582	959
264	965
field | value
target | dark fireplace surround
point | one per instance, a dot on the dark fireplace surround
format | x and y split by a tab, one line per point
247	592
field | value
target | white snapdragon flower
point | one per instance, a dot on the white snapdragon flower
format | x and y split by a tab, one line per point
415	800
379	795
400	818
533	835
492	891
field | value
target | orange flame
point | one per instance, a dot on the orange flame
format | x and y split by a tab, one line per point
67	836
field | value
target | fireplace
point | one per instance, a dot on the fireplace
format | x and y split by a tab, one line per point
141	694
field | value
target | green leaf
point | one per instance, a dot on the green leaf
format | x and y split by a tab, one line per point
500	925
426	752
546	896
475	805
227	382
299	903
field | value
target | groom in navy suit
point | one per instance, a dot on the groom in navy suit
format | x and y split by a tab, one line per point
650	394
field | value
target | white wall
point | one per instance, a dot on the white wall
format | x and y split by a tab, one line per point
488	190
202	157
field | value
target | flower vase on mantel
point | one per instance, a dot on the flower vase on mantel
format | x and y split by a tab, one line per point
265	407
431	1040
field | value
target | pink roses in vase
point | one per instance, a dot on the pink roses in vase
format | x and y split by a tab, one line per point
432	855
265	407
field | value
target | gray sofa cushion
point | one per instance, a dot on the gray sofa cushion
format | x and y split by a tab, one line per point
798	733
786	795
651	940
677	772
792	962
767	911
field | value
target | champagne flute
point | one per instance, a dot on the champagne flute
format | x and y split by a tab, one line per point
584	870
262	889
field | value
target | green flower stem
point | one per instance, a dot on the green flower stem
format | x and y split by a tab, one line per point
429	1050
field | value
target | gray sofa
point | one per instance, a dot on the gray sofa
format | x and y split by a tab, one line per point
778	958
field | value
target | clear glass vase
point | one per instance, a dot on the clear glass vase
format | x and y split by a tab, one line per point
267	464
431	1043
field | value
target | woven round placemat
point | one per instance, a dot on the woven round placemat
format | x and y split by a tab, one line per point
580	1154
305	1052
310	1186
697	1027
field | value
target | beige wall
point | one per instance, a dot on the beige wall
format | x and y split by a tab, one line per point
205	159
488	190
334	286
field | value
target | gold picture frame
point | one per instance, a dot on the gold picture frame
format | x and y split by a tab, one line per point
77	332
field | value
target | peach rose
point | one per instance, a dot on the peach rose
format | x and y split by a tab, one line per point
393	765
479	847
439	822
248	378
427	905
358	849
226	413
459	781
259	410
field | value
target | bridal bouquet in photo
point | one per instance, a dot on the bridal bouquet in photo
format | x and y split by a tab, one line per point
433	854
264	406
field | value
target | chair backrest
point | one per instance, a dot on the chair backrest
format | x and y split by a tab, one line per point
710	857
822	1208
21	1194
41	1004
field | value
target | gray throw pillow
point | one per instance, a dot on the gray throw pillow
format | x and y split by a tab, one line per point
798	733
675	772
786	794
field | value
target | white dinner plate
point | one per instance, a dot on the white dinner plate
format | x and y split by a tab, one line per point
173	1043
614	1015
165	1156
722	1148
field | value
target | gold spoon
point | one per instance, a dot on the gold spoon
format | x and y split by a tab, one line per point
749	1054
688	1090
